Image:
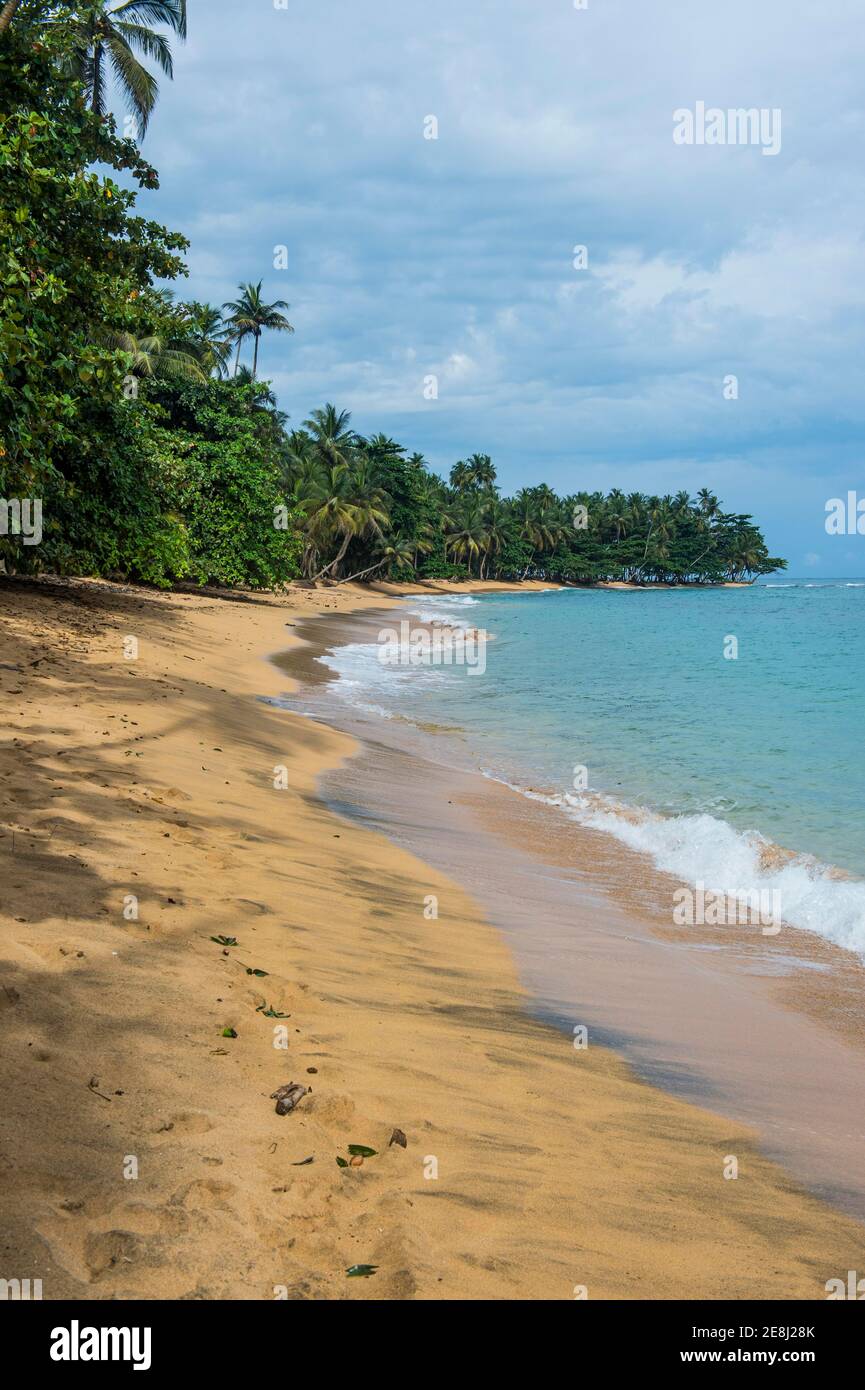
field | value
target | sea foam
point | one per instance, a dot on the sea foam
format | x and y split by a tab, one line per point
705	849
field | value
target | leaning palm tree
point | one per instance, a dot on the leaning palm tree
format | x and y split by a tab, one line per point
249	317
356	507
113	36
332	516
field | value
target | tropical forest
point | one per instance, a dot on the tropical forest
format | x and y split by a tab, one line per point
143	420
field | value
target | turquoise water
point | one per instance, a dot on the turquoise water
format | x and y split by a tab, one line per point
722	755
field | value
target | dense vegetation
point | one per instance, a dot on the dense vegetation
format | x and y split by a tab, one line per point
157	455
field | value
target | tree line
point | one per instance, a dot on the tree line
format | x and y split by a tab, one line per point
159	454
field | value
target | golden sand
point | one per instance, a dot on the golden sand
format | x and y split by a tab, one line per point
141	1151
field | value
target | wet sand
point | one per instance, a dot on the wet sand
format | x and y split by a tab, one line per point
762	1029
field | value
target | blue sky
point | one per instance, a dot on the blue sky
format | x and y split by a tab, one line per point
304	126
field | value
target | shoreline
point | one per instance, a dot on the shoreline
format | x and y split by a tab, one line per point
555	1168
676	1003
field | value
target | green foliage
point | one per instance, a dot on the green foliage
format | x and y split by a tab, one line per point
221	475
73	257
107	34
367	508
114	411
107	513
178	476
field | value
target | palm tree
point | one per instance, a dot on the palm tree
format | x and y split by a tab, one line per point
708	503
333	439
466	536
7	13
476	473
112	36
249	316
496	519
346	503
396	553
208	335
155	356
462	476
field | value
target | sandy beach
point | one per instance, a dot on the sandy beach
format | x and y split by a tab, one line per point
152	798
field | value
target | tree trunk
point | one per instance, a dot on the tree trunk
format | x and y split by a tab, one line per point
97	73
361	573
6	14
237	354
255	356
333	563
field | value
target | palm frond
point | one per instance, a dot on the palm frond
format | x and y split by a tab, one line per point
169	12
139	86
148	42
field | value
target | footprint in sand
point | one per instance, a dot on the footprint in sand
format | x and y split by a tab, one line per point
204	1194
175	794
250	906
105	1250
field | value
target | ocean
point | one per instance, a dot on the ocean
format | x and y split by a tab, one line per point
718	731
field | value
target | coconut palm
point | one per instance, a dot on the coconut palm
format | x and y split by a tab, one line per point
369	514
396	553
112	37
461	476
249	316
476	473
484	471
348	504
209	336
333	439
466	536
709	505
7	14
496	521
156	356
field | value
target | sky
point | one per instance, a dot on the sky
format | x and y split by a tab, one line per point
303	125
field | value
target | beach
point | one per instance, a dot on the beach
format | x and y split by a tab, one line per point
155	796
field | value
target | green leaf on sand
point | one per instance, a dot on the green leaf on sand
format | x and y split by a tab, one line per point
360	1271
361	1151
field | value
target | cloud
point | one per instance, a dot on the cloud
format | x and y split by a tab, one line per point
304	127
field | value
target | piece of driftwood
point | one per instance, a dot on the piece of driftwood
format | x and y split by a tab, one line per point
287	1097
